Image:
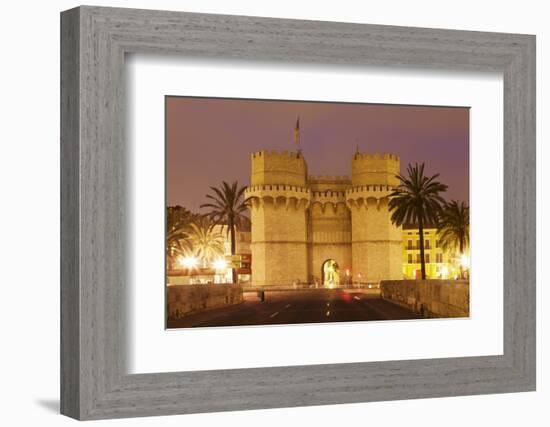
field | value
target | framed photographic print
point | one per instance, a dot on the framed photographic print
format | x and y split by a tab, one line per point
346	212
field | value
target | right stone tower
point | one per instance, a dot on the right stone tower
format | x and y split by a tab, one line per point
375	241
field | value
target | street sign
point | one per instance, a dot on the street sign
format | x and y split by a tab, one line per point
239	260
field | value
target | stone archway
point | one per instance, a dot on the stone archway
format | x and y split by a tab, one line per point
330	273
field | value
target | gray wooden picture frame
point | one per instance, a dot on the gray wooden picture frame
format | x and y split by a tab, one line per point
94	381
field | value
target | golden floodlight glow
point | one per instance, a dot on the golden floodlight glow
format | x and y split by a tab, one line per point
220	264
188	261
464	261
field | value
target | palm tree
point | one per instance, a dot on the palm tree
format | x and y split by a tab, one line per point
454	228
178	248
207	244
227	207
178	221
416	200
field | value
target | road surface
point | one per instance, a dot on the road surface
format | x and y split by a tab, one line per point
304	306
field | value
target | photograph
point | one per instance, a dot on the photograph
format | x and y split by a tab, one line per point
295	212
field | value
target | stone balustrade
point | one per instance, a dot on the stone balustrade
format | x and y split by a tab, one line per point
430	298
186	299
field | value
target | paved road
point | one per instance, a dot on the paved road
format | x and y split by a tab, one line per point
306	306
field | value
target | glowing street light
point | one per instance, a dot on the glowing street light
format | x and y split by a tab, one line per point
188	262
220	264
464	261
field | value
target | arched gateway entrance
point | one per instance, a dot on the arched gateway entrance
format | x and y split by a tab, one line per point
330	273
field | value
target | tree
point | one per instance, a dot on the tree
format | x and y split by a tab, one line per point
454	228
227	207
178	222
205	243
416	200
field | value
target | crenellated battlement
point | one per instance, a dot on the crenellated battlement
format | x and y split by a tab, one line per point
375	169
276	187
329	178
284	154
369	188
278	167
328	193
376	156
322	183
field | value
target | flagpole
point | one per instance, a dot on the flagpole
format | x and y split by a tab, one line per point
297	135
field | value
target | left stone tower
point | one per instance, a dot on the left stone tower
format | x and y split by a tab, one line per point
279	199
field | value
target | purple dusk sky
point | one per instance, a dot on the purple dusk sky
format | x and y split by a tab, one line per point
209	140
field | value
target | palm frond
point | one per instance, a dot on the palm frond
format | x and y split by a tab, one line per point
454	226
416	198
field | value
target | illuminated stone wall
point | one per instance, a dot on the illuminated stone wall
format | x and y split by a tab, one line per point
186	299
272	167
376	243
278	234
430	298
374	169
329	226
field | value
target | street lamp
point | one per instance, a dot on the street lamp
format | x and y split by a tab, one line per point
188	262
220	264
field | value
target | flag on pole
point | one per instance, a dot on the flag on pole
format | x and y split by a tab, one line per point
297	132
